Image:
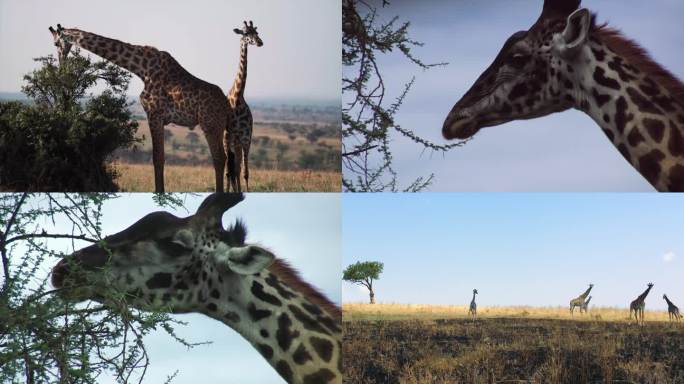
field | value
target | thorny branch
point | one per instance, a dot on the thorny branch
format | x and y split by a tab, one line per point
368	121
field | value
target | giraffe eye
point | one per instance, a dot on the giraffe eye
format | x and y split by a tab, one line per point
518	60
171	247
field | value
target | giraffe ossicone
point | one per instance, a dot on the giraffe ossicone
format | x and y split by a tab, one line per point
565	60
193	264
171	94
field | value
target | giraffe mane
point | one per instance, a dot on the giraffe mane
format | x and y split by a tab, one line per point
291	277
638	57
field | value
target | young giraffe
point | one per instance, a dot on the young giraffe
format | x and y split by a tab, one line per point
566	61
585	306
473	306
171	94
579	300
193	265
637	306
672	310
239	133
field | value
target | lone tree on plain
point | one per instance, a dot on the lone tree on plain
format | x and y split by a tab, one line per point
363	273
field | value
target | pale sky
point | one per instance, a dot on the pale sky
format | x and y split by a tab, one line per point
303	229
562	152
539	249
300	57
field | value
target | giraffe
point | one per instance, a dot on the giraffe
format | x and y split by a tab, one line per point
585	306
565	60
638	305
672	310
193	264
239	133
473	306
171	94
579	300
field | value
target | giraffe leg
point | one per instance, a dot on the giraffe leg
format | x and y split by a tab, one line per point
218	154
246	155
230	158
157	133
238	166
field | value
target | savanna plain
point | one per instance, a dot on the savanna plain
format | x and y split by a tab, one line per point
393	343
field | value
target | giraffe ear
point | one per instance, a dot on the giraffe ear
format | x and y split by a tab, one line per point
249	259
576	33
239	32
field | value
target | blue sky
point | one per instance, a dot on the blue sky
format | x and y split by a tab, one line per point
303	229
562	152
539	249
300	57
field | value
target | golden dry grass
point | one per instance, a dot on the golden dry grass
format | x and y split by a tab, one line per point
359	311
140	178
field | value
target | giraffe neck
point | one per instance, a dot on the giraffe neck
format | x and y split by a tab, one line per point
586	293
637	104
474	297
128	56
238	90
294	333
642	297
669	303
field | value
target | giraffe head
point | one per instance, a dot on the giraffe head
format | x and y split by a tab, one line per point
61	41
165	260
249	34
664	296
529	76
650	285
475	291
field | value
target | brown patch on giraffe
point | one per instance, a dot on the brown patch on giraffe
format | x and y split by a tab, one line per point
265	350
625	152
676	178
283	368
635	137
599	54
600	99
639	59
308	322
649	165
290	278
322	376
621	114
301	355
323	347
643	103
676	143
655	128
285	335
257	314
601	78
616	65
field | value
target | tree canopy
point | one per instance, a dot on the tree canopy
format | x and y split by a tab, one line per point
363	272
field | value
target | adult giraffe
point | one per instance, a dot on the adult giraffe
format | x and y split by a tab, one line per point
193	265
239	133
579	300
171	94
567	61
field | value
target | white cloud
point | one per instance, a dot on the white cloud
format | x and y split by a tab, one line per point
669	257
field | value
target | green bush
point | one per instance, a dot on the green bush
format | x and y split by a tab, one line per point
63	139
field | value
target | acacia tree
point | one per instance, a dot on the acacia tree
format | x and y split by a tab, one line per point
363	273
43	338
368	117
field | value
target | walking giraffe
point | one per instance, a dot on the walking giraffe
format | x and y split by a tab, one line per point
585	306
473	306
579	300
239	133
567	61
171	94
193	264
672	310
637	306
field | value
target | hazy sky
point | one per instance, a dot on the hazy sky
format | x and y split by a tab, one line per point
562	152
303	229
300	57
538	249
